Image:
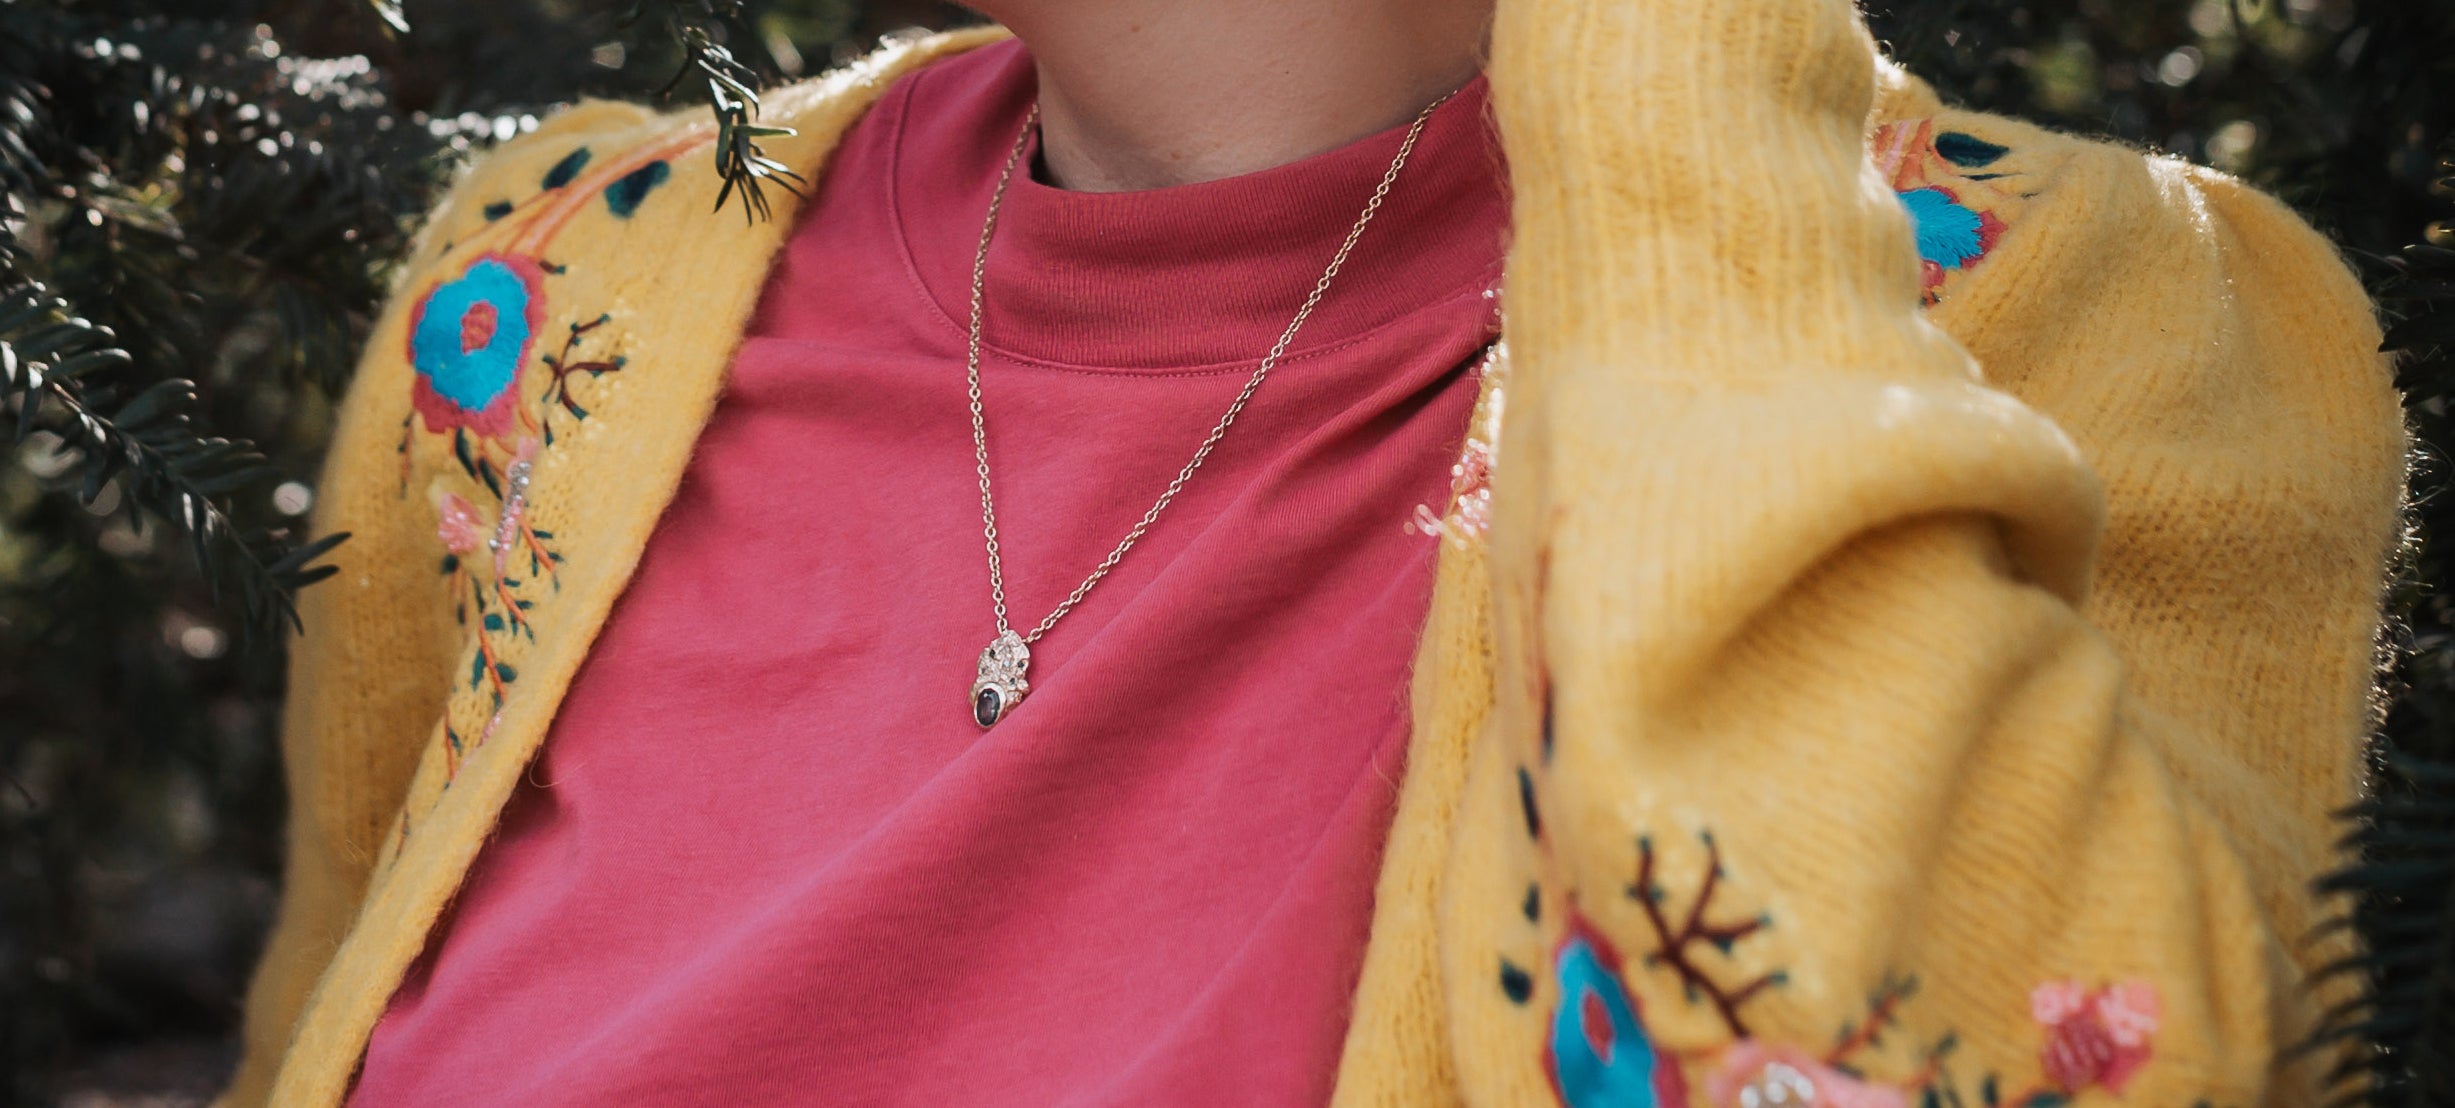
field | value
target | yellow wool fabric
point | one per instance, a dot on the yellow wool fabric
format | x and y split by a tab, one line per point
1971	693
1984	670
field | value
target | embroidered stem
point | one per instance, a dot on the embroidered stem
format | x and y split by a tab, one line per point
494	668
561	365
1881	1013
543	226
1675	945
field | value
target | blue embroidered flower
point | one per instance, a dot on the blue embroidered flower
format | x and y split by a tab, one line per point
1599	1053
1949	235
1952	236
468	340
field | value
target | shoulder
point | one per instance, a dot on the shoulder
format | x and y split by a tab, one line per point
555	257
550	157
1976	183
2209	352
611	155
2066	264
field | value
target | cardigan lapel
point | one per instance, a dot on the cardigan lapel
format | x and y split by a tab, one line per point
635	297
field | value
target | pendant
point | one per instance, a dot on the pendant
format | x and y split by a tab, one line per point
1000	685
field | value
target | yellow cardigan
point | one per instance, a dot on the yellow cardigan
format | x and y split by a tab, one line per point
1868	666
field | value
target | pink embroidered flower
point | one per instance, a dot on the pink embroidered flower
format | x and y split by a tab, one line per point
2056	1001
456	524
2095	1038
2131	1011
1753	1075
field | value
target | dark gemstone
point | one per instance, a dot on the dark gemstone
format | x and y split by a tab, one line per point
989	705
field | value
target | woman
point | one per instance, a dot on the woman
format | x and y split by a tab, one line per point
1906	647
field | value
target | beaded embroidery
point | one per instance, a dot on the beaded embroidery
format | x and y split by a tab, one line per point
1598	1051
1599	1054
1469	513
476	388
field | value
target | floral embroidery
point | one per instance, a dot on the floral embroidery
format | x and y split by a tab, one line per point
1959	216
564	364
1750	1073
566	169
1754	1075
1470	480
1598	1050
456	524
473	337
1676	945
495	595
468	340
1968	151
2095	1039
1950	236
1598	1054
623	196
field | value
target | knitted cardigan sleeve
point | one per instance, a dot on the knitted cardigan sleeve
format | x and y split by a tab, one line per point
1872	721
377	645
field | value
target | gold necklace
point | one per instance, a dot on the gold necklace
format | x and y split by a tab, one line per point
1001	682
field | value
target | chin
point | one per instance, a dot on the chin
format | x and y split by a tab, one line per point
1007	11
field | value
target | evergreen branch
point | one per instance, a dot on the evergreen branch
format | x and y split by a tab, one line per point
2397	1034
151	446
395	20
699	27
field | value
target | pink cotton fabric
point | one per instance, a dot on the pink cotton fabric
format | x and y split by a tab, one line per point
767	858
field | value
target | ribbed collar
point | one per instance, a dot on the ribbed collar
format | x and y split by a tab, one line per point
1199	277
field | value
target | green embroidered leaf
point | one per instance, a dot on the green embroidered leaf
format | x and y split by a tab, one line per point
494	622
568	168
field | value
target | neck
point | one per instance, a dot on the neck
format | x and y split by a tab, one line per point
1140	94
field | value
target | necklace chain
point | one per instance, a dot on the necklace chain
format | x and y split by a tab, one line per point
980	433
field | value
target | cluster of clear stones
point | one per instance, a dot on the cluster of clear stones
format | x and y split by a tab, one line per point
515	505
1000	685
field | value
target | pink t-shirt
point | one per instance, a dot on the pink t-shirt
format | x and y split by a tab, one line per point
766	856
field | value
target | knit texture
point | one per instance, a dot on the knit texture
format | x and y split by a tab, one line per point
1865	725
1818	713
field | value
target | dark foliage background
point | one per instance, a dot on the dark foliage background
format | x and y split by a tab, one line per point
199	202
